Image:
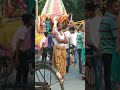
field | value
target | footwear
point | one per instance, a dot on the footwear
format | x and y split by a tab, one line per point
82	77
62	80
67	70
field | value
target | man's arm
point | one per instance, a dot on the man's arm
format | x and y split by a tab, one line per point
58	39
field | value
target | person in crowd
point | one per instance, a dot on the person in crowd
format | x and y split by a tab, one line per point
80	40
116	60
50	44
44	46
83	52
48	26
74	43
68	37
17	43
108	34
93	42
59	51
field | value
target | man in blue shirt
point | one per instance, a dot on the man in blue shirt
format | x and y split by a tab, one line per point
50	43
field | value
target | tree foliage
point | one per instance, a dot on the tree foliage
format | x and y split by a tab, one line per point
76	7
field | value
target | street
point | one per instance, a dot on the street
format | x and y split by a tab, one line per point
72	79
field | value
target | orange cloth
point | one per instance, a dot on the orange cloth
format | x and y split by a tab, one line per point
59	59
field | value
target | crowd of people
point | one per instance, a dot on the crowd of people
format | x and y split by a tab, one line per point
20	50
95	45
102	44
64	46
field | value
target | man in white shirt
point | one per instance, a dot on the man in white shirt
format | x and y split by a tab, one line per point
74	44
68	37
19	34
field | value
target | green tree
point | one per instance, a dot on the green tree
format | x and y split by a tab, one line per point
77	7
41	4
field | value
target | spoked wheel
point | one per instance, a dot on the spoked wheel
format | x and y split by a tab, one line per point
46	78
6	67
37	55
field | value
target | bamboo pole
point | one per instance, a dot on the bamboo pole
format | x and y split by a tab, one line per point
36	8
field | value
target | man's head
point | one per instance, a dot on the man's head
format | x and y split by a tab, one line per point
46	34
113	6
27	19
82	28
90	9
51	31
47	19
72	29
60	26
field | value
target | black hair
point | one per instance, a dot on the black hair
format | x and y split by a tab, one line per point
72	28
50	30
47	19
26	18
90	7
111	1
46	33
103	10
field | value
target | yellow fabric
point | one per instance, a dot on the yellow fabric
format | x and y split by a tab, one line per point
59	59
7	31
38	38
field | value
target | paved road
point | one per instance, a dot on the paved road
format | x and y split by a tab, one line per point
73	80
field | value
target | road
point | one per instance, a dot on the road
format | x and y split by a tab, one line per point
73	80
